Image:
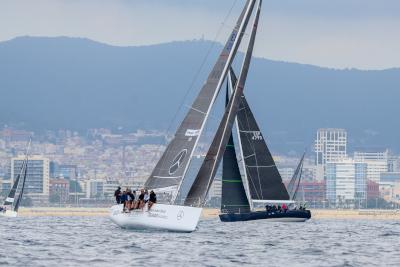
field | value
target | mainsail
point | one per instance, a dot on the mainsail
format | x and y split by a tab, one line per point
294	184
21	192
264	180
11	195
233	197
173	164
206	174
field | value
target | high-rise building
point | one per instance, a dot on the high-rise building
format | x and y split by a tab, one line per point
346	180
37	178
330	146
376	160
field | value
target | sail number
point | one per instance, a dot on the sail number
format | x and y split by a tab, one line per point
257	136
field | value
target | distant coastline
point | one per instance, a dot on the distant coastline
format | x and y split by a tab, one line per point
209	213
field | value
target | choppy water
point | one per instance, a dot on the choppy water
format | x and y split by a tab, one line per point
78	241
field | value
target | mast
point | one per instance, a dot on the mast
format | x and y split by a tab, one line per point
206	174
174	163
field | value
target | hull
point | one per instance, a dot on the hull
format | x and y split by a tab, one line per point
160	217
9	213
289	216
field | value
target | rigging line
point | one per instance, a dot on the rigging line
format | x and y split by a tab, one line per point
198	71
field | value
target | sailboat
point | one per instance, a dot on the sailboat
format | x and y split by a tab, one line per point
10	206
169	172
263	183
294	184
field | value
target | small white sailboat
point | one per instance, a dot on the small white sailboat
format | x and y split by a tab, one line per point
10	206
174	163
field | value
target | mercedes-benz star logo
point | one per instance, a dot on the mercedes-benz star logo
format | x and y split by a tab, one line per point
176	163
180	215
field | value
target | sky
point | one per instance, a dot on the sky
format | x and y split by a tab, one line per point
341	34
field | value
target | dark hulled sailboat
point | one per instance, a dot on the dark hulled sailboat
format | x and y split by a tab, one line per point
263	180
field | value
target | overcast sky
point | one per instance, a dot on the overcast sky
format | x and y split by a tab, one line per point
334	33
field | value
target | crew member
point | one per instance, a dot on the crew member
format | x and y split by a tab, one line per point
152	199
117	195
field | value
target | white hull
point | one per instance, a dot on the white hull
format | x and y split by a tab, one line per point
9	213
160	217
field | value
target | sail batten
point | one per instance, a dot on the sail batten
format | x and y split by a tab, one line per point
175	160
199	190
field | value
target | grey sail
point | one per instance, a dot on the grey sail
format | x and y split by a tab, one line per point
21	192
173	164
199	190
11	195
264	180
233	197
294	184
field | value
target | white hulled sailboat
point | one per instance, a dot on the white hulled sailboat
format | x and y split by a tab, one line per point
172	167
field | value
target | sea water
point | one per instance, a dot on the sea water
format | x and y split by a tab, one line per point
96	241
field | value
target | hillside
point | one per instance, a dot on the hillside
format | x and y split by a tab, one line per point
52	83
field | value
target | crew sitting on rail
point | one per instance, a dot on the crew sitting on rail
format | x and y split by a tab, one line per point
124	198
146	196
152	199
141	199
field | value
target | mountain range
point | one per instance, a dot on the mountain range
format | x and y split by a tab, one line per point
74	83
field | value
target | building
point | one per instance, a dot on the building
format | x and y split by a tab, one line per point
372	190
67	171
376	160
109	188
94	188
286	173
59	190
330	146
346	181
312	191
37	179
5	186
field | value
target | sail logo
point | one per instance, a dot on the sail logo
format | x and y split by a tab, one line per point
192	132
257	136
180	215
177	162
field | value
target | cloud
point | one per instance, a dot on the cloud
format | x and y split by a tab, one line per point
340	33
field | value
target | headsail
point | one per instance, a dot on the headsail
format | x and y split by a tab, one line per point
264	180
206	174
294	184
173	164
233	197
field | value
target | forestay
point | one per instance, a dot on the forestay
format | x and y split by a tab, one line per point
173	164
